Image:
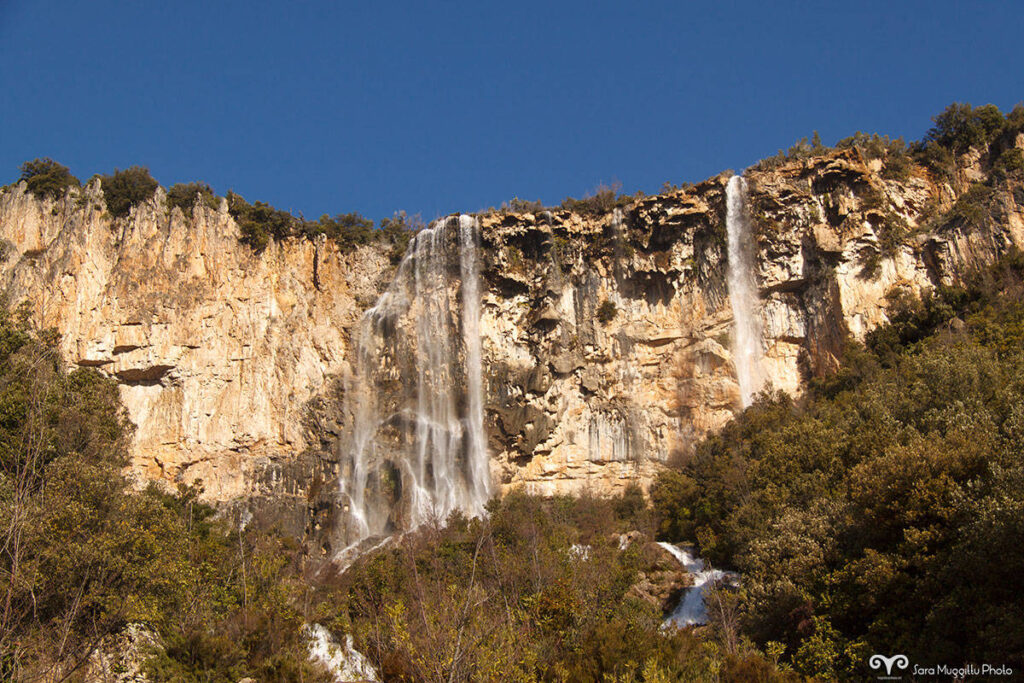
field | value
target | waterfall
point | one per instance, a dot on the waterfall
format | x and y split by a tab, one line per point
417	449
691	608
743	296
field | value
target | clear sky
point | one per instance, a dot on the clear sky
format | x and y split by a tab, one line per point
442	106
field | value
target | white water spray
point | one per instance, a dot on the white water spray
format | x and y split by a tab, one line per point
692	609
479	475
743	296
417	448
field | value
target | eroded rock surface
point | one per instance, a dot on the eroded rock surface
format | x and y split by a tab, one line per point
606	336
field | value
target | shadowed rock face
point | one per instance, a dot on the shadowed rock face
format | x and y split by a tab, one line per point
605	338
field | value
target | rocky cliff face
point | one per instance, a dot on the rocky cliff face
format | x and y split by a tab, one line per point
606	336
217	350
578	402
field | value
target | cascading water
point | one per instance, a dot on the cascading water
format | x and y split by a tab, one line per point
417	448
692	608
743	296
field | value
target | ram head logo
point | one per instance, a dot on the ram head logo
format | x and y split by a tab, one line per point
878	661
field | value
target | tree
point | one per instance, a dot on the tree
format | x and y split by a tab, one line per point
961	126
126	189
47	178
185	195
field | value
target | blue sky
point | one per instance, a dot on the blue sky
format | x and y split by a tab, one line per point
435	107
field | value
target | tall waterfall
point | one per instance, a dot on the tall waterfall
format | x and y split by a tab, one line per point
743	296
417	448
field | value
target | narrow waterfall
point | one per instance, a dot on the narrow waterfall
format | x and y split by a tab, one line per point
743	296
479	474
692	609
417	448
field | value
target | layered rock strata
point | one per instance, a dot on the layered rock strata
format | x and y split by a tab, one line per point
606	335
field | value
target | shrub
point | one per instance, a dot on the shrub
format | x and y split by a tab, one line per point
891	233
539	590
398	231
184	196
259	222
84	554
47	178
348	230
1010	161
960	126
128	188
607	311
936	158
971	209
517	205
897	165
599	202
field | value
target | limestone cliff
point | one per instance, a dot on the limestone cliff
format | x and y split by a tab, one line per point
217	350
606	336
577	402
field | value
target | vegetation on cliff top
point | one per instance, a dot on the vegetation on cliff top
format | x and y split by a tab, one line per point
258	222
882	512
955	131
125	189
47	178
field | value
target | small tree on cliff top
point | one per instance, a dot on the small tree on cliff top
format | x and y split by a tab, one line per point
47	178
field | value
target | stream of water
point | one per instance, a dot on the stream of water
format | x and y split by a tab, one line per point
743	294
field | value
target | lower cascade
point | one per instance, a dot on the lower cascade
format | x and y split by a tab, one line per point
417	449
692	609
344	662
743	296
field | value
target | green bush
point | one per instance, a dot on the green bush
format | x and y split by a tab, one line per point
961	126
1010	162
607	311
348	230
517	205
897	165
47	178
936	158
398	231
259	222
126	189
971	209
184	196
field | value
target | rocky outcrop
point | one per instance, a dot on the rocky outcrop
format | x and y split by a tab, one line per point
217	350
584	401
606	336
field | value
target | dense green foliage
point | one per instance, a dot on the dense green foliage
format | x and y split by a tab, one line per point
259	223
185	195
541	591
125	189
47	178
882	512
961	127
82	556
